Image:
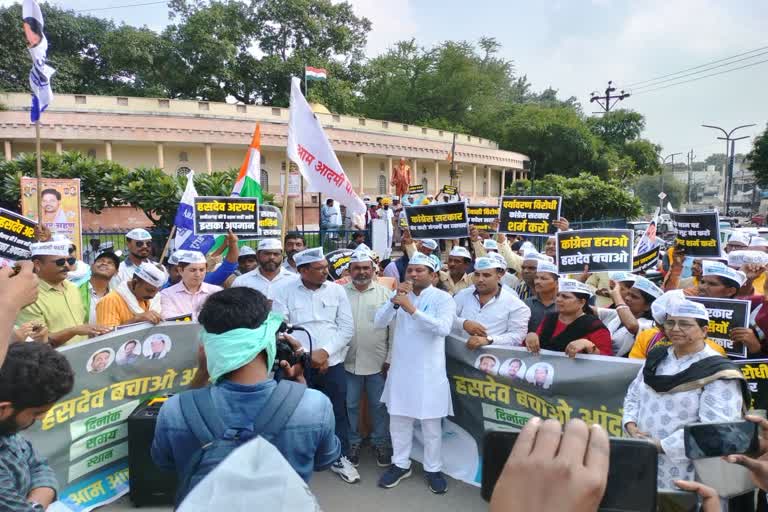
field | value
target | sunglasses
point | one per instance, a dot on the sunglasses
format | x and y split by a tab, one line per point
64	261
139	243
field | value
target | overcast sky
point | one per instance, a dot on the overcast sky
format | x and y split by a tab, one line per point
576	46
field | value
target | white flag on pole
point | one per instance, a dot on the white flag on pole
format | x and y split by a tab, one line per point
310	149
41	73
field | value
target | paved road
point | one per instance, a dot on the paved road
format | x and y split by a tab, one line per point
412	495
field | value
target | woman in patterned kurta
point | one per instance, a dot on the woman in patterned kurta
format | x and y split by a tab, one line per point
661	416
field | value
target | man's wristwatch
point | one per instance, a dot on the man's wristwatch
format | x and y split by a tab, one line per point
37	507
490	339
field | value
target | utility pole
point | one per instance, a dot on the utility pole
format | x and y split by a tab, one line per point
690	175
662	195
605	101
730	145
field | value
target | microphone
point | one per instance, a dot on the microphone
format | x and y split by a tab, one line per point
397	306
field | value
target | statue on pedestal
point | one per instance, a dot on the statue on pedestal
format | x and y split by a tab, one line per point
401	178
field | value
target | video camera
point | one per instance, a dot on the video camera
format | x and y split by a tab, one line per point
285	351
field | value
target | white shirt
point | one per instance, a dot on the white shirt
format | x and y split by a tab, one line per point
324	312
505	317
287	266
663	416
256	280
621	339
417	384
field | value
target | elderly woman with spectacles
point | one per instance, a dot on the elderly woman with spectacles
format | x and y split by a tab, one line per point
686	382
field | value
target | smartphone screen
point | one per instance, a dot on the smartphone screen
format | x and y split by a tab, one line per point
631	477
678	501
704	440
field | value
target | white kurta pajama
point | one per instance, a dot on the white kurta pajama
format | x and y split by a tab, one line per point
663	415
417	386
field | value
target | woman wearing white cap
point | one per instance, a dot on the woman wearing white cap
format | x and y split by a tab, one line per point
685	383
632	312
187	297
573	329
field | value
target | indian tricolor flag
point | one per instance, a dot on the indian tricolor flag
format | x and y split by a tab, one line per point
248	182
315	73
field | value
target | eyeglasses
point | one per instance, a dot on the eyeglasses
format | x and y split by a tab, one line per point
64	261
139	243
682	324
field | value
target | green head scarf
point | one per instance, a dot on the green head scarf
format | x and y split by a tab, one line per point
228	351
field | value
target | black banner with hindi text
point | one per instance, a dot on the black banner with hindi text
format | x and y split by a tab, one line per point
725	315
604	250
17	233
697	233
438	221
218	215
529	215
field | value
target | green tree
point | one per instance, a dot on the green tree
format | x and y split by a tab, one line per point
758	159
584	197
622	149
556	138
647	190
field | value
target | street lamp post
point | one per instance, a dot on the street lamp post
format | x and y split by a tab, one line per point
729	160
661	181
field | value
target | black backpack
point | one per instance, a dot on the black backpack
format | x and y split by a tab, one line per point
217	441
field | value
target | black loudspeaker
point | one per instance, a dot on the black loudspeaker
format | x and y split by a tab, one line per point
149	484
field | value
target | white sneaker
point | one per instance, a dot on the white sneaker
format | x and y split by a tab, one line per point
345	470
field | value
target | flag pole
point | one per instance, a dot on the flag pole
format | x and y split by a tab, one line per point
168	243
39	174
285	203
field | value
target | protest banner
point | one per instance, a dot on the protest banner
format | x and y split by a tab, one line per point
482	217
270	221
416	189
724	315
756	373
338	261
84	436
218	215
645	261
16	235
503	388
61	206
529	215
444	220
697	233
450	190
602	249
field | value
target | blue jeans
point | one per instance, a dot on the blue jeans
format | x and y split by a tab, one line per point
374	387
333	384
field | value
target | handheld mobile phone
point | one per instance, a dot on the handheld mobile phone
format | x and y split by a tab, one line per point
679	501
631	477
704	440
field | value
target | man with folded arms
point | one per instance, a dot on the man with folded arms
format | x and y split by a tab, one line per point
489	313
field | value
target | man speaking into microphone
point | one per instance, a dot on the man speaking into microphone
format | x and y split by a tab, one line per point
417	386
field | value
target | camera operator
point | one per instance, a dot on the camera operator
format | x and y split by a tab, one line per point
239	342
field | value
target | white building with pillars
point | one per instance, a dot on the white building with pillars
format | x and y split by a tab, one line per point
177	135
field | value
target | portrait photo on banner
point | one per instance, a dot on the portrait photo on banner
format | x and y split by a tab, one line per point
60	199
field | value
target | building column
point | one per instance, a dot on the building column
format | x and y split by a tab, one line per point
488	181
437	177
160	156
108	150
415	180
362	174
59	147
208	158
503	181
388	174
474	181
8	150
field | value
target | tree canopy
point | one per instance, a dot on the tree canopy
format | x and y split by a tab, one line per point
758	159
246	50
